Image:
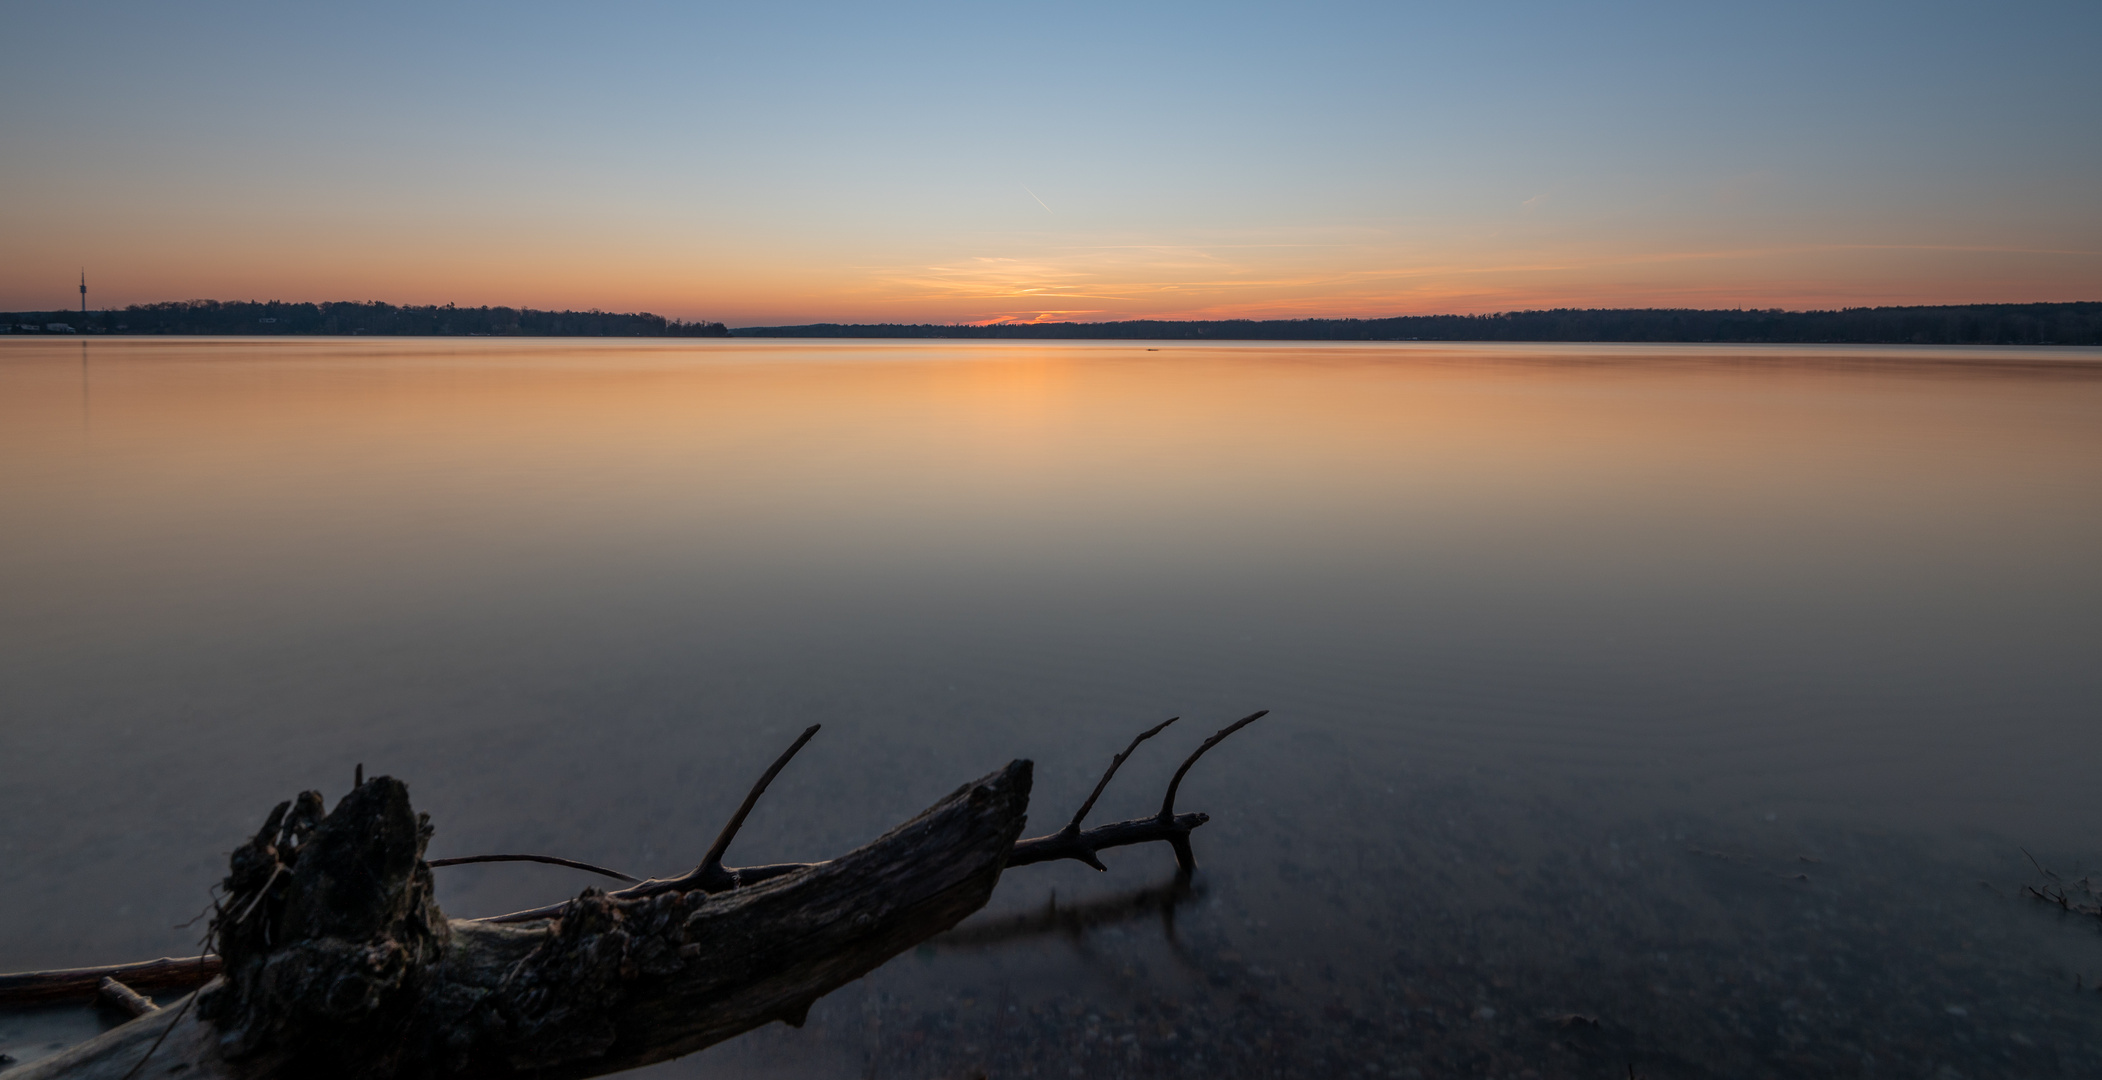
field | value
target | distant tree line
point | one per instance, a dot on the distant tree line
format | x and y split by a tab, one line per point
350	317
1974	324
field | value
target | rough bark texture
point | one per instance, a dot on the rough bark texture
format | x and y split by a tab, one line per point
329	932
338	963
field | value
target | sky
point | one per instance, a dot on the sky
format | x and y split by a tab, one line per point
984	162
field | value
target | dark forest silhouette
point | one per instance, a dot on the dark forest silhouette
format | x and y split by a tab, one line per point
1974	324
350	317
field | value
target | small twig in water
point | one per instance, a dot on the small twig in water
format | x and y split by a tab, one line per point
275	873
1114	764
124	998
186	1003
2039	866
548	859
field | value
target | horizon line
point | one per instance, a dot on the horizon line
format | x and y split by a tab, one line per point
1020	323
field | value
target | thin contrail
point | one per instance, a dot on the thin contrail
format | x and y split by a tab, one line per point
1039	201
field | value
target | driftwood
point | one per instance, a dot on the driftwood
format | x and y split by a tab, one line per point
332	959
83	984
123	998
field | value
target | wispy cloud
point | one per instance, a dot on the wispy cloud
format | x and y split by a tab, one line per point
1357	271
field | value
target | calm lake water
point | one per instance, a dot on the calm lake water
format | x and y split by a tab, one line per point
1709	693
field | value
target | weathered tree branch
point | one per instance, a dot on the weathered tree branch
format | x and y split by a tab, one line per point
80	984
1068	843
335	961
1076	919
345	969
710	875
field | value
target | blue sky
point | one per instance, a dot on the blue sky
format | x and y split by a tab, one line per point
977	162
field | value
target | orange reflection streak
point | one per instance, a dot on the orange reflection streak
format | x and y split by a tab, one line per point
790	443
203	488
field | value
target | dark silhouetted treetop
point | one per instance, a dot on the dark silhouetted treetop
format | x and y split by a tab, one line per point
376	318
1975	324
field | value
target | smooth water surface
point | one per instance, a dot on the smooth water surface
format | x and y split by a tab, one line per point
1709	693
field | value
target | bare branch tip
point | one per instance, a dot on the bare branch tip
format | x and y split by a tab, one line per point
1115	763
712	865
548	859
1167	806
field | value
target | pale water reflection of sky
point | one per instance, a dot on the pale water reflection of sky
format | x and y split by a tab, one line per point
1511	606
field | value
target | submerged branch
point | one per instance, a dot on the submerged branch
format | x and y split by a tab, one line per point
80	984
551	860
1074	919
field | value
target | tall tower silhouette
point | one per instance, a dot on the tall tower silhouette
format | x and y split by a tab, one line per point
83	293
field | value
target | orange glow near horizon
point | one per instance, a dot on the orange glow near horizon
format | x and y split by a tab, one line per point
1011	171
1280	274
